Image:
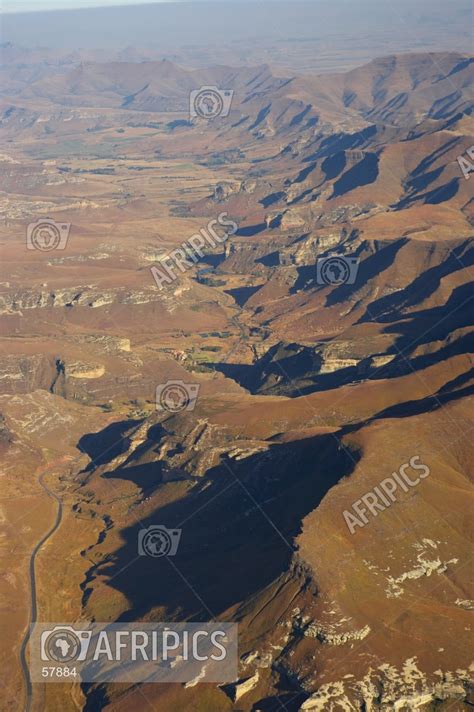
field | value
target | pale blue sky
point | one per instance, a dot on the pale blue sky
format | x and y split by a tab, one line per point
165	24
32	5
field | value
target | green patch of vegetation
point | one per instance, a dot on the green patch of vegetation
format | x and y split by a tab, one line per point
212	282
138	409
224	157
74	148
177	123
99	127
101	171
202	367
220	334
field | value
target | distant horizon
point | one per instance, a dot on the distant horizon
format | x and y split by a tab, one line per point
10	7
335	27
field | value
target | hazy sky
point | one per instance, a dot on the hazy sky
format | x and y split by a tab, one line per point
28	5
406	25
32	5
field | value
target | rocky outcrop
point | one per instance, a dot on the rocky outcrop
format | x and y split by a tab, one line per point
81	296
25	373
79	369
331	364
329	636
6	436
241	688
223	190
390	688
106	343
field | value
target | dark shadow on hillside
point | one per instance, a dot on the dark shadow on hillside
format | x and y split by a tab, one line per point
261	116
434	197
242	294
381	113
443	193
242	373
363	173
411	408
463	64
281	370
435	155
298	373
436	324
288	701
333	165
250	230
97	697
303	174
298	118
272	198
104	446
306	279
404	364
146	477
445	106
420	182
270	260
237	532
213	260
369	268
343	142
457	382
302	196
389	308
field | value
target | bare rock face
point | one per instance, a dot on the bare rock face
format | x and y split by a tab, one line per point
223	190
245	686
79	369
335	359
389	688
329	636
344	213
6	436
291	219
106	343
382	360
20	374
249	185
328	241
80	296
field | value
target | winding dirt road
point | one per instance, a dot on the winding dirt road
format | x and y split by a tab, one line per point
34	604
